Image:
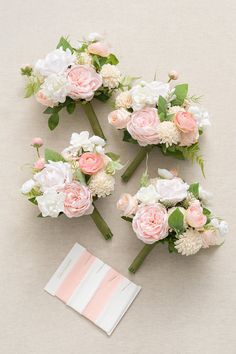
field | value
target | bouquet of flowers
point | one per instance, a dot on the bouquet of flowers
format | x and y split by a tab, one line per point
166	210
68	76
70	182
156	114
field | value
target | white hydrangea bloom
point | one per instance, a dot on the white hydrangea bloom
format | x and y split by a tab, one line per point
189	243
56	88
51	203
168	133
101	184
204	195
220	225
202	117
147	94
110	76
55	62
27	186
147	194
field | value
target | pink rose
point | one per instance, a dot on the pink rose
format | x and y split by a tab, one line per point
119	118
84	82
90	163
195	216
99	48
150	223
185	122
143	126
78	200
188	139
40	164
127	204
41	98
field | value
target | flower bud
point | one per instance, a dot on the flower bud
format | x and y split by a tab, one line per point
37	142
173	75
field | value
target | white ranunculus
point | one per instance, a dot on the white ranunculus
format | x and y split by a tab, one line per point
202	117
204	195
54	176
147	94
51	203
171	191
166	174
147	194
27	186
55	62
220	225
94	36
56	88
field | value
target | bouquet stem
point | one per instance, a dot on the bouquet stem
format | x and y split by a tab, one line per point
93	120
136	162
101	224
137	262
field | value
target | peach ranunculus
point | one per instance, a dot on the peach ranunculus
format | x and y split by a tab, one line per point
150	223
84	81
119	118
78	200
185	122
99	48
188	139
143	126
41	98
195	216
127	204
90	163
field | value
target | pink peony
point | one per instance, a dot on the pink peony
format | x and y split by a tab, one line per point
150	223
78	200
99	48
40	164
41	98
143	126
84	82
90	163
127	204
185	122
195	216
119	118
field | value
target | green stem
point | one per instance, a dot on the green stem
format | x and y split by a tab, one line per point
136	162
141	257
93	120
101	224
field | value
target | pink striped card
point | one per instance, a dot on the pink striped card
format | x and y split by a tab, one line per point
92	288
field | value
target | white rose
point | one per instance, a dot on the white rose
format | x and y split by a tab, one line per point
27	186
220	225
56	88
110	76
204	195
81	140
124	100
55	62
96	140
171	191
166	174
51	203
54	176
147	195
145	93
201	116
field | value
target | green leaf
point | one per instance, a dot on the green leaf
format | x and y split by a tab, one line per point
206	212
33	200
51	155
27	71
113	156
49	110
40	215
64	43
112	59
181	92
194	189
128	138
32	87
171	151
126	218
71	107
53	121
162	108
171	246
144	179
176	221
80	177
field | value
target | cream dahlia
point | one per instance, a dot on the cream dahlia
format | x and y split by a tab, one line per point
168	133
101	184
190	242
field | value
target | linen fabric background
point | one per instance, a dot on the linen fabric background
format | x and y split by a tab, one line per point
187	304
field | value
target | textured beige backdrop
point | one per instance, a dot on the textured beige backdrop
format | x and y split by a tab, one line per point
187	305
